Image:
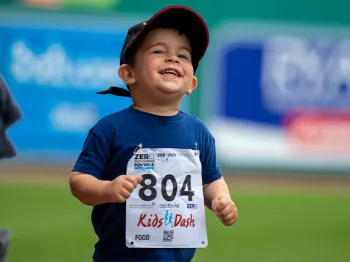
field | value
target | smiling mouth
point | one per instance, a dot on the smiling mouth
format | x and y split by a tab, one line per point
170	72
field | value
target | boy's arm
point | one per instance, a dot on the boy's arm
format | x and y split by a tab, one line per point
92	191
85	180
88	189
215	189
218	199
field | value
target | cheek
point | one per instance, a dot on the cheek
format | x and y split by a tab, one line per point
145	69
151	65
188	70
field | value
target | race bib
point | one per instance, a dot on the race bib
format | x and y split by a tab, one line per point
167	208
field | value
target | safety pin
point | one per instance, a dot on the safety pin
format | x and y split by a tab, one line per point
137	148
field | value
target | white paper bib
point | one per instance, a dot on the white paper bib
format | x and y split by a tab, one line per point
167	209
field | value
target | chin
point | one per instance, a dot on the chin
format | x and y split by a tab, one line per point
169	89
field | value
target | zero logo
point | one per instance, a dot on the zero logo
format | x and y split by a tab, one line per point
192	206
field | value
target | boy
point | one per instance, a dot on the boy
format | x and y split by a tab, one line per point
148	168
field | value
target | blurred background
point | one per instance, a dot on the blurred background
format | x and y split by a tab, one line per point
274	89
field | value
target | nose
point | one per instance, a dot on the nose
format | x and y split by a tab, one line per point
172	59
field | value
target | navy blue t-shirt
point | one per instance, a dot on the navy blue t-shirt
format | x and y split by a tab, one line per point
108	148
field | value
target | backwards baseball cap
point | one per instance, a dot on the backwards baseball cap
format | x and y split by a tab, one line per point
182	18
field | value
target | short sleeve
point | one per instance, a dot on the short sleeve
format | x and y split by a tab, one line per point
210	168
95	154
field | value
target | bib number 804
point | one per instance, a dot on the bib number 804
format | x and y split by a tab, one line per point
153	181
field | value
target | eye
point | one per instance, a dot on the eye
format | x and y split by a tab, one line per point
158	52
183	57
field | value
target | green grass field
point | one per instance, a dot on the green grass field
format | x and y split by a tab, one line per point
49	225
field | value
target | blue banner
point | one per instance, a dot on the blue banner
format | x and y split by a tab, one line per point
54	66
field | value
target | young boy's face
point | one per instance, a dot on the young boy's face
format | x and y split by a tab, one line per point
162	65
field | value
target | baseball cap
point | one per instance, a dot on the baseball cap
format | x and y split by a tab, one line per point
182	18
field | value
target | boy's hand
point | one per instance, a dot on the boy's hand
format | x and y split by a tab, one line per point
119	189
225	210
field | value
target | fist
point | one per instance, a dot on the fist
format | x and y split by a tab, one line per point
120	189
225	210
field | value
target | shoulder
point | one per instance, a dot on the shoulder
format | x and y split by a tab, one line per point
196	123
112	121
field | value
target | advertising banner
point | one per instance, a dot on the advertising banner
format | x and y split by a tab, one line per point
54	65
278	96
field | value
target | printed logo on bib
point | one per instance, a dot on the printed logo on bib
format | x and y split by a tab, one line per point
166	156
144	161
192	206
142	237
170	205
143	205
169	219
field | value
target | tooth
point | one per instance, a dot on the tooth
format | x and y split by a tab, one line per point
170	72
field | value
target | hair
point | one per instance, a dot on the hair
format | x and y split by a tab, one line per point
131	53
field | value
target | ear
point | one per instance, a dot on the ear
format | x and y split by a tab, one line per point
193	85
125	74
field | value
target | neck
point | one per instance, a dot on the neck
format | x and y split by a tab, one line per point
157	110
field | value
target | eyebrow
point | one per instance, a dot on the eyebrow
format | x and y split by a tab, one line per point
164	44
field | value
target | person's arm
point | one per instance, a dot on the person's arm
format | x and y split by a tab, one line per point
88	189
218	199
215	189
91	191
86	180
